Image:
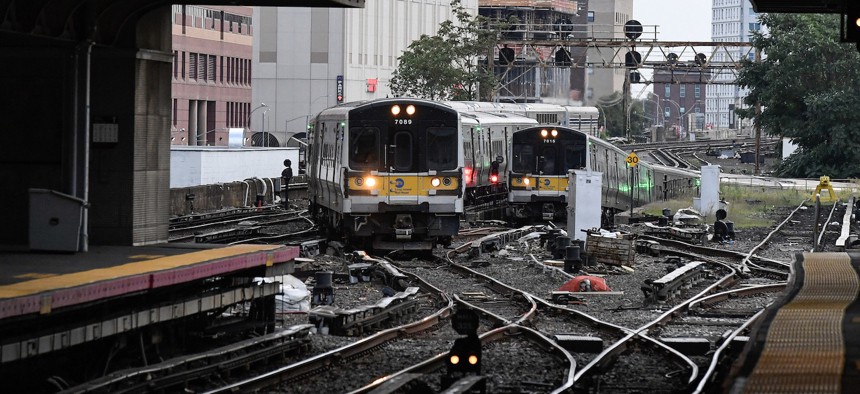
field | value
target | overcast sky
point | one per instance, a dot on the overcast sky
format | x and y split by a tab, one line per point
676	20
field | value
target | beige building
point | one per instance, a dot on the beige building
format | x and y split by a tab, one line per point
309	59
606	20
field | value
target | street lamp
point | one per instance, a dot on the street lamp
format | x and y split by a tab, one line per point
679	114
287	123
248	122
602	115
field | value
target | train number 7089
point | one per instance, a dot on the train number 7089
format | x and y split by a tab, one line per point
402	121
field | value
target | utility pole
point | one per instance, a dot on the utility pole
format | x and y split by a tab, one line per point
757	120
625	103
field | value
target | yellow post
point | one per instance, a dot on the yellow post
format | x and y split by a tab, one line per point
824	184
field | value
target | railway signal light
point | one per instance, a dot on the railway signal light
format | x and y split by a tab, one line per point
632	29
494	172
464	358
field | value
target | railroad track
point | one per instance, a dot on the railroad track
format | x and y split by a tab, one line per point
617	342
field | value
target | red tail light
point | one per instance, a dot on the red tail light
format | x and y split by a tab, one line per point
494	178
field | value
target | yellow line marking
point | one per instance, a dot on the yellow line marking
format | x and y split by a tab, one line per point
34	275
56	282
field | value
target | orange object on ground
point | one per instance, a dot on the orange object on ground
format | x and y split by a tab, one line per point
585	283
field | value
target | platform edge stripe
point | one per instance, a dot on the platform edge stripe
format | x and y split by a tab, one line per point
79	287
129	269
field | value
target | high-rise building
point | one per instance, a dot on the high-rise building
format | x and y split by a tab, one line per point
211	85
309	59
606	19
732	21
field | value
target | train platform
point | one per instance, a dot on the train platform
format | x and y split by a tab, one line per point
53	301
809	341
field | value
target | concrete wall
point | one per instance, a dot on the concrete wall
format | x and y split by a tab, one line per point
223	196
195	166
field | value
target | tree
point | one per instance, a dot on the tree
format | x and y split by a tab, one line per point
445	66
809	89
616	118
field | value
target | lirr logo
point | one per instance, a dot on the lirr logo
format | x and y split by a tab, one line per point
546	182
398	183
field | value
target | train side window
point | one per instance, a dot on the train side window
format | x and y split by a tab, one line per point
524	159
441	148
403	151
364	149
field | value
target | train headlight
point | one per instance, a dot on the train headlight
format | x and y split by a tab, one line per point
371	182
435	182
554	133
395	110
473	359
359	181
455	359
410	110
525	181
544	133
446	181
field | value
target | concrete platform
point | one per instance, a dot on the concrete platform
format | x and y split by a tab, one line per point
37	283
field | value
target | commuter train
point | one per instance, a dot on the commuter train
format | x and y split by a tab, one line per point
397	173
538	179
387	173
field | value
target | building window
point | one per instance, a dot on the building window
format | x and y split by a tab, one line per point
192	65
590	16
697	91
683	91
210	68
755	26
667	91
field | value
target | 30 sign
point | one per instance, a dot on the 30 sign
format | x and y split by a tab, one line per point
632	160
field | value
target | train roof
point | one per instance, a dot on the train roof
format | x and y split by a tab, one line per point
343	109
499	118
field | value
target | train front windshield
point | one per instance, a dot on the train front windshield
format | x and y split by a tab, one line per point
364	154
535	153
441	148
421	139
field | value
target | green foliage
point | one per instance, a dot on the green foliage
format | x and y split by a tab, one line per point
616	119
747	206
809	87
445	66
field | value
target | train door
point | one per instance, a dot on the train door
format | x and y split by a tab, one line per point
548	167
401	159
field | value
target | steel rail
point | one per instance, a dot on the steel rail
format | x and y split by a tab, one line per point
744	263
322	361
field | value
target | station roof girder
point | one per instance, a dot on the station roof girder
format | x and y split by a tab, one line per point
799	6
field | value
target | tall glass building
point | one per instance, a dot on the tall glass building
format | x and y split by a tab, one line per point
732	21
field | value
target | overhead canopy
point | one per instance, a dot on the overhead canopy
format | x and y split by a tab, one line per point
799	6
109	22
